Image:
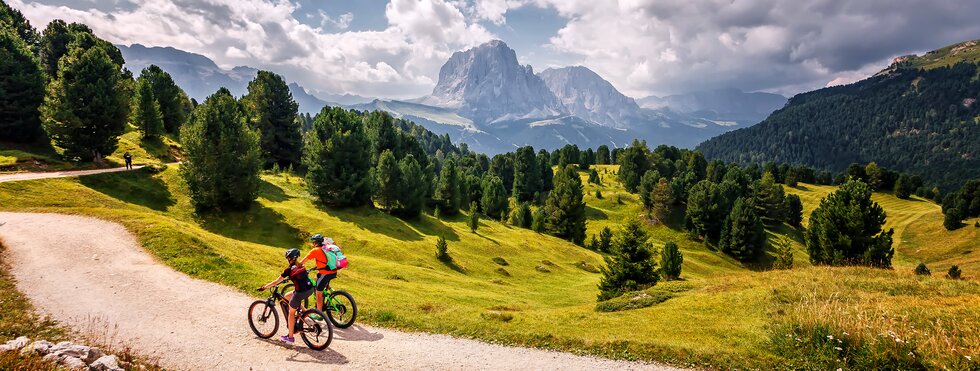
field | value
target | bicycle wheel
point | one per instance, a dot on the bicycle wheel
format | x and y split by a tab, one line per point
341	308
263	319
317	331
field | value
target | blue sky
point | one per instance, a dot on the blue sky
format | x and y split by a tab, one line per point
394	48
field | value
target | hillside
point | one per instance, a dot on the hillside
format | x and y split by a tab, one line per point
543	295
921	121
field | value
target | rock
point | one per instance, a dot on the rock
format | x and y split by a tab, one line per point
18	343
39	347
77	351
51	357
60	346
93	355
73	363
106	363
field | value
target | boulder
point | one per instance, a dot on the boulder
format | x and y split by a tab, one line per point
106	363
16	344
77	351
73	363
39	347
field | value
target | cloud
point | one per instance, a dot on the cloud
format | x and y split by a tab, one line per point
401	60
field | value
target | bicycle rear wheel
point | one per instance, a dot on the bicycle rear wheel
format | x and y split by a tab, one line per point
263	319
341	308
317	330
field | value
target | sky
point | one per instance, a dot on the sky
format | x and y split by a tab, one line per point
394	49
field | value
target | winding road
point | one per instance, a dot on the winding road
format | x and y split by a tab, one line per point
94	276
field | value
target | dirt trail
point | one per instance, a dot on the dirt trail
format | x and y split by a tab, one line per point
13	177
75	268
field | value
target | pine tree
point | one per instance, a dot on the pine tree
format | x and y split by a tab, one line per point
633	165
648	185
565	208
412	189
388	181
19	25
547	174
605	240
660	200
631	266
22	89
670	261
697	164
602	155
86	107
273	111
474	219
784	253
494	198
952	218
174	104
447	195
874	174
522	216
527	176
770	199
954	273
442	249
846	229
703	217
922	270
539	220
743	236
146	111
794	210
338	159
904	187
594	177
222	162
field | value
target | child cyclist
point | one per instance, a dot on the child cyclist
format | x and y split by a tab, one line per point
324	275
303	289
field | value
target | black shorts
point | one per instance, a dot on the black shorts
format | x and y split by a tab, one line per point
323	280
298	297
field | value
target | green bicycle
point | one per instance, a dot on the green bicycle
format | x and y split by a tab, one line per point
339	306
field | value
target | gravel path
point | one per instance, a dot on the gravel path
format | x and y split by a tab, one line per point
77	268
13	177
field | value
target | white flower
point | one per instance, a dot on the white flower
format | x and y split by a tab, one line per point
968	358
838	348
831	337
845	333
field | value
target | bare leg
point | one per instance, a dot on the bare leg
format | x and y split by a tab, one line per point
291	317
319	300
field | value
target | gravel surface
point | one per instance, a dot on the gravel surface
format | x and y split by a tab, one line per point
78	268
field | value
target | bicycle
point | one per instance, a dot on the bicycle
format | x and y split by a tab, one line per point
316	333
339	306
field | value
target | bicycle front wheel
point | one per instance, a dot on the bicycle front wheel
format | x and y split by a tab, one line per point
263	319
341	308
317	331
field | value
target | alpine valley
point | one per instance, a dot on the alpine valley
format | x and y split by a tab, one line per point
485	98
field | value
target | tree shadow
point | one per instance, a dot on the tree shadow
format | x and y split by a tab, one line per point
134	187
157	148
449	262
765	261
431	226
258	224
595	214
271	192
477	232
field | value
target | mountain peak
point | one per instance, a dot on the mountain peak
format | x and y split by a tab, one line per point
586	94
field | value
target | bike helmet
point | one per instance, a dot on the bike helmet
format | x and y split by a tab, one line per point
318	238
292	254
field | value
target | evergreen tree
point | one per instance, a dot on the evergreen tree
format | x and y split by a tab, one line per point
86	107
922	270
904	187
174	104
442	249
222	155
602	155
794	210
381	129
388	181
527	176
743	236
338	159
648	186
633	165
539	220
412	190
565	208
19	25
697	164
502	166
954	272
703	217
522	216
594	177
21	86
146	111
605	240
952	218
474	219
846	229
874	176
631	266
447	190
494	198
660	201
784	253
547	173
273	111
770	199
670	261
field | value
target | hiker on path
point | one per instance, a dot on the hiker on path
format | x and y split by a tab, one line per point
129	160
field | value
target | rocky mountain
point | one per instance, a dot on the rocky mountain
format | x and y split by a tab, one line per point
585	94
919	115
486	84
200	77
722	105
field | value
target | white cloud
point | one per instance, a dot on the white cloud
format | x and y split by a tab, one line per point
342	22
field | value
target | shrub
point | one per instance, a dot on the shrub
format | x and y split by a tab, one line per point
954	273
442	249
922	270
784	253
952	219
474	219
500	261
670	261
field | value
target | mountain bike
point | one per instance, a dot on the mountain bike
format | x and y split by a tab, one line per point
263	318
339	306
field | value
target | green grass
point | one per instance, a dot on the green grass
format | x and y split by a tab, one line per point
44	157
724	314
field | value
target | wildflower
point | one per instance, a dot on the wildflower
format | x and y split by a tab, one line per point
968	358
838	348
830	337
897	340
845	333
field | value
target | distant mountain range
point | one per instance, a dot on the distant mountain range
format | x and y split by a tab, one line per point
919	115
487	99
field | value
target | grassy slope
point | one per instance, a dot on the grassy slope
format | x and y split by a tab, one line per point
919	233
38	157
723	314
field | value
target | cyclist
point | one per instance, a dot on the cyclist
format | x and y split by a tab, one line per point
323	275
303	289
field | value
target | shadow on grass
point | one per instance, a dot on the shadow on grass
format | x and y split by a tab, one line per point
765	261
157	148
595	214
271	192
134	187
449	262
258	224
